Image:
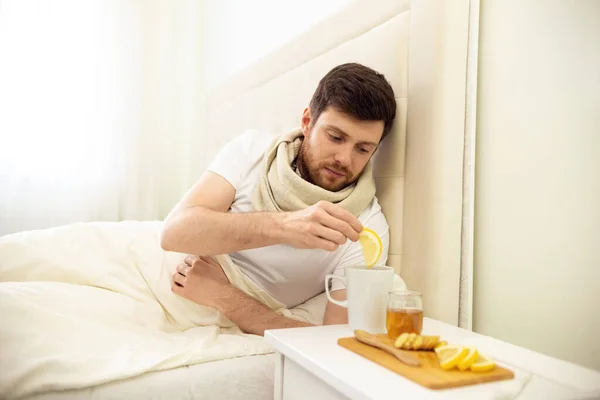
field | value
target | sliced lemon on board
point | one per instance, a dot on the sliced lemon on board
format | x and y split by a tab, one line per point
469	359
371	246
441	344
450	355
482	364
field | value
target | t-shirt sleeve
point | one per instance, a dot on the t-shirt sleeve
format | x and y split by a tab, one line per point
353	254
234	160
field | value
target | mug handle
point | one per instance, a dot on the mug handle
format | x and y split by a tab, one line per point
331	299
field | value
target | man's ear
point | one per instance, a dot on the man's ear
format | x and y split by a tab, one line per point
306	121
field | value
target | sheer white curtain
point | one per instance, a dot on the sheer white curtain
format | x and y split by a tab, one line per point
100	109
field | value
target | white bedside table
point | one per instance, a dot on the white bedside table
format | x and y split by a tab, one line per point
311	365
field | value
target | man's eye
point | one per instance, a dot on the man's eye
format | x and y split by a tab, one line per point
364	151
335	138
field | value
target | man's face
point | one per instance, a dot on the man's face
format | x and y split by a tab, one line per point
336	148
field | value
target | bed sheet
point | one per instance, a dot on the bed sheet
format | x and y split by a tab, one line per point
247	378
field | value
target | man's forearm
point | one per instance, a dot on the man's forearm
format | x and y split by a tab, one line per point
204	232
251	315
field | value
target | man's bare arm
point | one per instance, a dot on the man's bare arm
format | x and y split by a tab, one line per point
205	232
202	280
252	316
334	314
201	225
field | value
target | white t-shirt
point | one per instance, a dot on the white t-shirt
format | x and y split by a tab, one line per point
289	274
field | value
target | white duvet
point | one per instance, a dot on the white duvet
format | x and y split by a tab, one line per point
89	303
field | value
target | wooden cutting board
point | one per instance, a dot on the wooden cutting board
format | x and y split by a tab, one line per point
429	374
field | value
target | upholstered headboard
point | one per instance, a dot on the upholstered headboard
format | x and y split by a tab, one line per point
271	95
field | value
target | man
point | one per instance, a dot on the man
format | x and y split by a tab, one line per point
287	212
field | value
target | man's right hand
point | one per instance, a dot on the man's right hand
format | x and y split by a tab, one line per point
322	226
200	224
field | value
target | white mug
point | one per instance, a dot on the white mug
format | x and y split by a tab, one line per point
367	291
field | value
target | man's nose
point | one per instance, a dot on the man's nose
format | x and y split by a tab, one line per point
344	156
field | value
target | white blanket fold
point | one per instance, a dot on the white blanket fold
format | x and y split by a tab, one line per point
86	304
90	303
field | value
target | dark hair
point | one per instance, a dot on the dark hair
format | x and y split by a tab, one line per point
356	90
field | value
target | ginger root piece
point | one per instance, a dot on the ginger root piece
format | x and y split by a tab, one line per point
412	341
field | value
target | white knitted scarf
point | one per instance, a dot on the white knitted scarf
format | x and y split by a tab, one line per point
282	189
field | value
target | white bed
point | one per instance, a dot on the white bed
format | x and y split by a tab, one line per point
249	378
270	95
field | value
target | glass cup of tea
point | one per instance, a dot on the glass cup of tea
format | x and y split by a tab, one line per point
404	313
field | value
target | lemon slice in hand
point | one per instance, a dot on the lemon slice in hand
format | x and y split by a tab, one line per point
483	364
469	359
450	355
371	246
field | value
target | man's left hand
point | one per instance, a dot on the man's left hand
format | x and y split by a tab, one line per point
201	280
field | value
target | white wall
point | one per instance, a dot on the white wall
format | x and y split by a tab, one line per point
238	32
537	226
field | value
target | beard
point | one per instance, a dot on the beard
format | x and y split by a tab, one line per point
315	173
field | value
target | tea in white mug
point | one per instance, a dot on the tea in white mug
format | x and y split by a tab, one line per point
367	296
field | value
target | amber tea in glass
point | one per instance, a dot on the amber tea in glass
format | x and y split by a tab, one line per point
404	313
